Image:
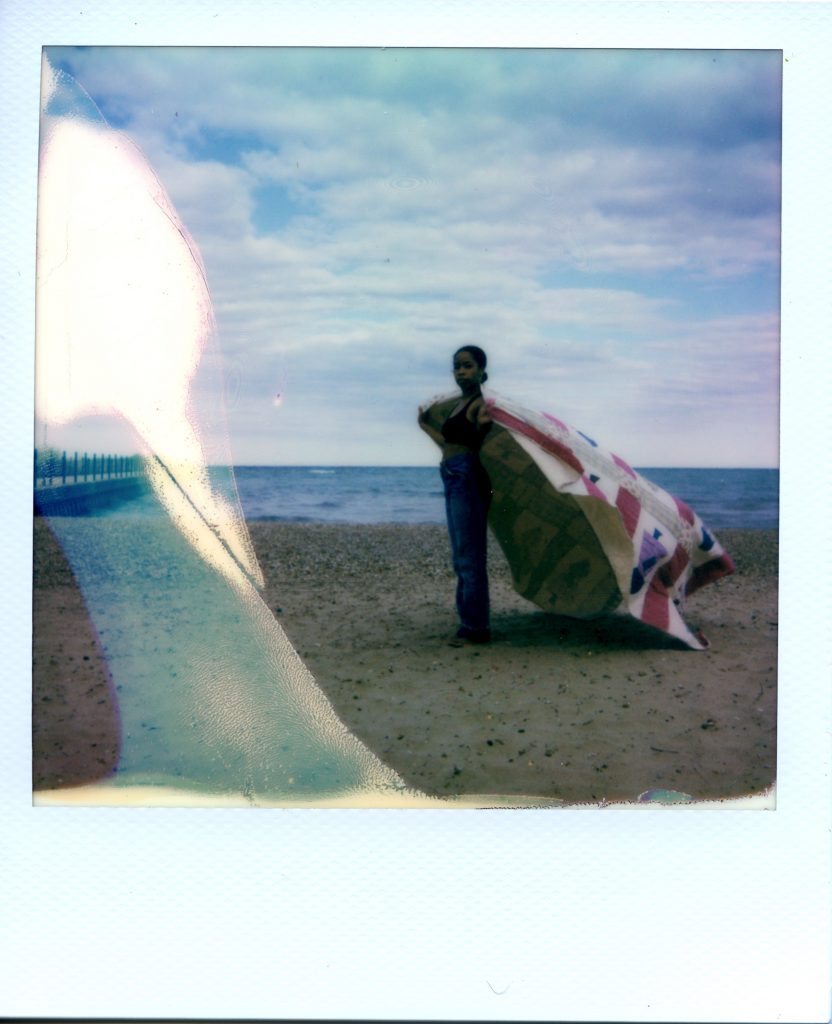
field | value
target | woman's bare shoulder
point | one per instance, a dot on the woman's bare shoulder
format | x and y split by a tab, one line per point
442	406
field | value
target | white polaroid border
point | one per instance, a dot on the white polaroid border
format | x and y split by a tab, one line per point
573	915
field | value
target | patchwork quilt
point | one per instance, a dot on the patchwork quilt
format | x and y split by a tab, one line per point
585	534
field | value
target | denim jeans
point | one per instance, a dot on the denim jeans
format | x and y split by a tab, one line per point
467	497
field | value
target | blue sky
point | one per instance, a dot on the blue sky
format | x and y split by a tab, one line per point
605	223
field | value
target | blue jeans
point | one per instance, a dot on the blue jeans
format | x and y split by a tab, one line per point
467	497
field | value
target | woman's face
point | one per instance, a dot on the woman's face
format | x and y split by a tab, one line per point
467	372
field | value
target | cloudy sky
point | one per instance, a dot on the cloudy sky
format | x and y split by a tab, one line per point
605	223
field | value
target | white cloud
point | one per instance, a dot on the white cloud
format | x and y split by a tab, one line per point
579	215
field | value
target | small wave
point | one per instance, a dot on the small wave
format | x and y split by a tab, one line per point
322	472
280	519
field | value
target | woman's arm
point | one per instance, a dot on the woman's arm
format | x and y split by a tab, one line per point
432	432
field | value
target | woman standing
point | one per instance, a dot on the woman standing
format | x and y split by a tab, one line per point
459	430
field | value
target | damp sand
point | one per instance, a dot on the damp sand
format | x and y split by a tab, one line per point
581	712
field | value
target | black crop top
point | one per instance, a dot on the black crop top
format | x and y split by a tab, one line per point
458	429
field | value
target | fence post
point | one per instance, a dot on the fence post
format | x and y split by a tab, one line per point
75	467
63	468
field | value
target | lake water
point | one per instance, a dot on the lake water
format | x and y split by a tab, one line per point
724	498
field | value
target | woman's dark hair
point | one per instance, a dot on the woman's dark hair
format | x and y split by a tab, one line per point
480	358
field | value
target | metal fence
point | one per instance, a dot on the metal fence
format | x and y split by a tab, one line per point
53	468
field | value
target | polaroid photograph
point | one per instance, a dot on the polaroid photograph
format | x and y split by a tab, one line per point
413	513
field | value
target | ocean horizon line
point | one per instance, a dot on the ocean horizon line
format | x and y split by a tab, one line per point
432	465
304	492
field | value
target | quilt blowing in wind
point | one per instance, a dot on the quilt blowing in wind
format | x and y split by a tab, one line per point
585	534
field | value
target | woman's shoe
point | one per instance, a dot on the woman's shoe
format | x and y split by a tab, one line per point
471	636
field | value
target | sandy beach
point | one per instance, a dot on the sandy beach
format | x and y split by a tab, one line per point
582	712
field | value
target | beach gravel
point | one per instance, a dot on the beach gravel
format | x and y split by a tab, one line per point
578	711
